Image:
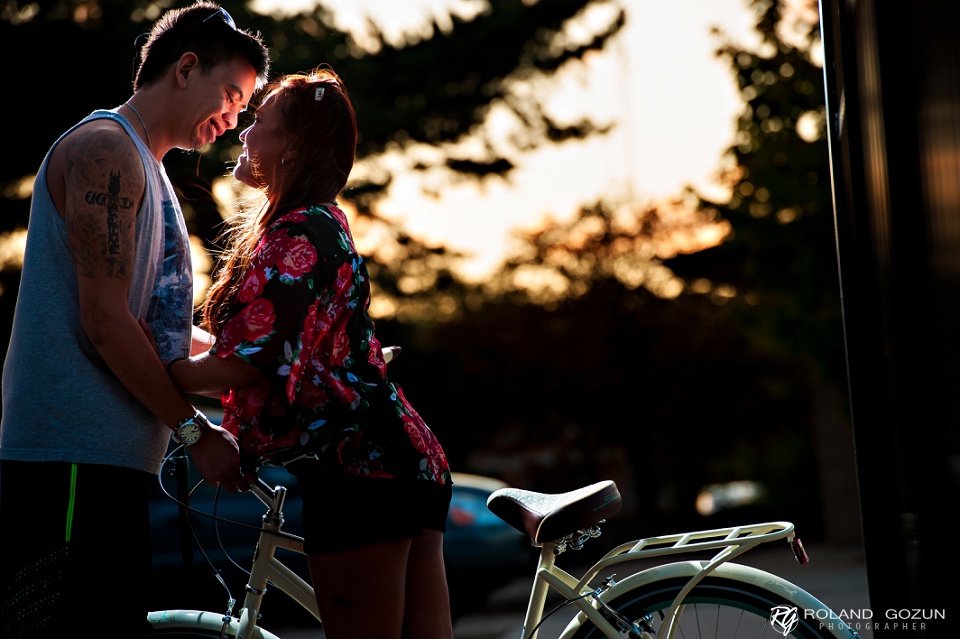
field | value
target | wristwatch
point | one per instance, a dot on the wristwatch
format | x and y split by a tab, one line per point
189	430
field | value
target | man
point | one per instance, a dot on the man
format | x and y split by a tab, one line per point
88	409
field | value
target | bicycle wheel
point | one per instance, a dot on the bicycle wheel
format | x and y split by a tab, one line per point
203	633
719	607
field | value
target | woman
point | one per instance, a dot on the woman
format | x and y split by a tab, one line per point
302	372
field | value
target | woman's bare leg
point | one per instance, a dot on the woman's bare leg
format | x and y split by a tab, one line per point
427	612
361	592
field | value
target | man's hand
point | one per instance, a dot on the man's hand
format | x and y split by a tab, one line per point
217	457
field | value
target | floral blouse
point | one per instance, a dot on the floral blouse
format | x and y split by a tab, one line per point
300	316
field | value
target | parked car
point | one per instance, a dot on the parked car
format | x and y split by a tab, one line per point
481	551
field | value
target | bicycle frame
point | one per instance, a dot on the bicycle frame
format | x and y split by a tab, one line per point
723	543
266	570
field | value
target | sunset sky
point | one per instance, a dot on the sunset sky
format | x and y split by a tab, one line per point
673	102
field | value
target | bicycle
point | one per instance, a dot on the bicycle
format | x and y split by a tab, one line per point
693	598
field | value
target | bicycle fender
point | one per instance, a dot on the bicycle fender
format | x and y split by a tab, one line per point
201	619
733	571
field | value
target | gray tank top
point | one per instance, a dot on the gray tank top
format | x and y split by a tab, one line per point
60	403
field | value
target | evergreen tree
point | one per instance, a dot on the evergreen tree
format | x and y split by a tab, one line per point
431	91
780	259
704	366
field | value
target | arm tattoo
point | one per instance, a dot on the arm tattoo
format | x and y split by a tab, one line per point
113	224
113	201
100	222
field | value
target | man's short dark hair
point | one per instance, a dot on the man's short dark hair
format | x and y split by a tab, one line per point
196	28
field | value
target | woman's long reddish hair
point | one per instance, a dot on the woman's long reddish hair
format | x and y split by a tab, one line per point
322	143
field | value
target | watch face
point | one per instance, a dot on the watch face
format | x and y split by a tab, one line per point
189	432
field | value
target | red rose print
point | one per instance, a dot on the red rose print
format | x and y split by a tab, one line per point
341	218
229	339
312	396
250	405
269	250
375	355
298	259
347	395
415	430
309	327
252	285
341	348
344	278
256	320
293	216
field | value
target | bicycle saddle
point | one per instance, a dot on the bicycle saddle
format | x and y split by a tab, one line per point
548	517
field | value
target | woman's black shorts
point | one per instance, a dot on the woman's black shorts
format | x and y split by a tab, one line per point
342	511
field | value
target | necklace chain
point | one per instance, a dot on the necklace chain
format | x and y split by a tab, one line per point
142	123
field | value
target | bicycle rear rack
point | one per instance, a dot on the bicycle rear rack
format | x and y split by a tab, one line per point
728	542
731	542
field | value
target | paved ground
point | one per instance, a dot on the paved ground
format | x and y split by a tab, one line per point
836	576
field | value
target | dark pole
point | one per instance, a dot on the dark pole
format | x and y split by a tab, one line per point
892	76
181	471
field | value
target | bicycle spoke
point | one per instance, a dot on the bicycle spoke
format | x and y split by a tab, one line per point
717	621
739	621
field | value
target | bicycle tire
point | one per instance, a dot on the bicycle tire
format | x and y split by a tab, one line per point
718	607
194	633
183	633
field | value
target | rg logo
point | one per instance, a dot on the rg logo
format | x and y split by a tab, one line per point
784	619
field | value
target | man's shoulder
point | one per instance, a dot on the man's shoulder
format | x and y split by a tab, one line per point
99	132
89	157
96	138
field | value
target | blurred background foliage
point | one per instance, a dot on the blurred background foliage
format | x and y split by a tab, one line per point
670	346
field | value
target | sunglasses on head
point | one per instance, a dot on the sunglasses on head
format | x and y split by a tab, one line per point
227	18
